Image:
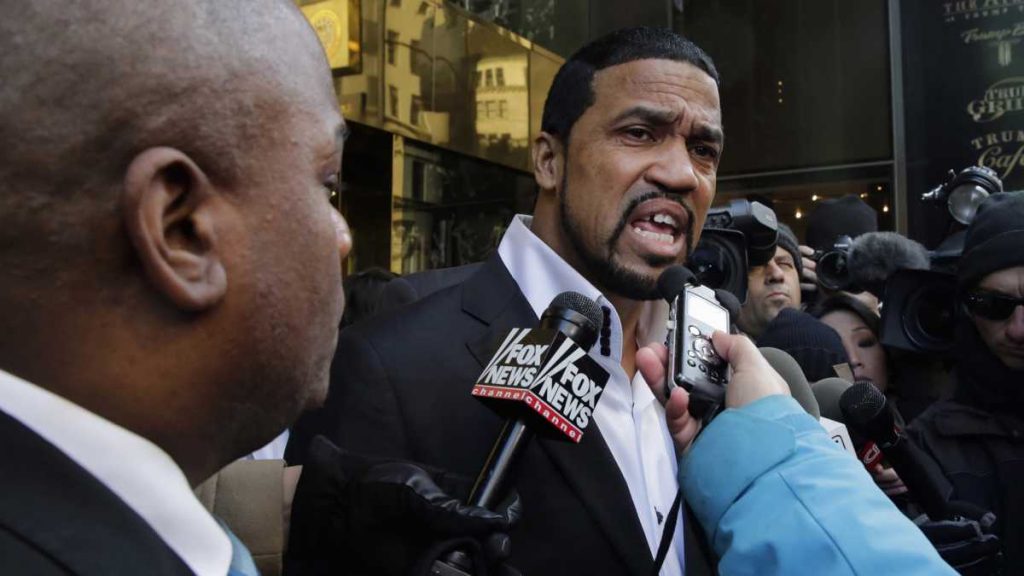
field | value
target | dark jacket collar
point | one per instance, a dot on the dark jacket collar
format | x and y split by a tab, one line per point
69	515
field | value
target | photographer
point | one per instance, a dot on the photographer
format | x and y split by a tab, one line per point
978	436
772	287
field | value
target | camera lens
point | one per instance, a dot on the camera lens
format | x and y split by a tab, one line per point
929	316
720	261
832	271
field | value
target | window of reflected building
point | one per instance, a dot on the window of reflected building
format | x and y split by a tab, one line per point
451	209
365	197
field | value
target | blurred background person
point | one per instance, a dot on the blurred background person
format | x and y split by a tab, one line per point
772	287
831	219
363	294
977	437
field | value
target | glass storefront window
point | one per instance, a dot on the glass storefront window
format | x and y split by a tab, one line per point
451	209
365	197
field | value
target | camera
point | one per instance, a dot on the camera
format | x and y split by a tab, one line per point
919	312
733	239
964	192
920	308
833	271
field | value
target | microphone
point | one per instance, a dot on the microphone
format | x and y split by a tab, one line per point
866	410
876	256
827	391
790	371
542	380
868	261
729	301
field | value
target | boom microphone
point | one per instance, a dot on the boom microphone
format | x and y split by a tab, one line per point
868	261
876	256
867	411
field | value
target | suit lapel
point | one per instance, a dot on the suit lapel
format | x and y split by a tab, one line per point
68	514
493	297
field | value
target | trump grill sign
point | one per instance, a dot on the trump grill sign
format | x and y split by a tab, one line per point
541	374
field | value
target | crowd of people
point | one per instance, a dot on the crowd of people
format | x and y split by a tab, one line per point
171	296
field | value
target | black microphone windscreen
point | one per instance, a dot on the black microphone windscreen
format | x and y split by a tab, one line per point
729	301
673	280
865	409
581	304
790	371
876	256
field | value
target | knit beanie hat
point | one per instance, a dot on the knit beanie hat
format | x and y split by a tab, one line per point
832	218
994	240
814	345
788	242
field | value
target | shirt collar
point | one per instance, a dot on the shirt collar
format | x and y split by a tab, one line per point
133	468
542	274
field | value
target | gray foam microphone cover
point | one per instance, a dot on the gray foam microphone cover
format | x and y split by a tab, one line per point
790	371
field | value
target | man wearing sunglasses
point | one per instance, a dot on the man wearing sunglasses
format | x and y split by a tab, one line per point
978	436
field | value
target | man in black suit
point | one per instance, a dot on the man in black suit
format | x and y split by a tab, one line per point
170	279
626	167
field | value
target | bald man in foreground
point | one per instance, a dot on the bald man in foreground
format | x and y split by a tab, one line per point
170	279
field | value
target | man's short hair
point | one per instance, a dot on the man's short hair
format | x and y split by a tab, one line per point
572	91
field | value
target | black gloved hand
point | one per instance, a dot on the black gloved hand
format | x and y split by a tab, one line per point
967	542
360	515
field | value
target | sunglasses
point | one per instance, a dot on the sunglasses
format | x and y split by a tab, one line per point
991	305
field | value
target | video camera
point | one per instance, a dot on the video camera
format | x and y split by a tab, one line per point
921	305
733	239
917	286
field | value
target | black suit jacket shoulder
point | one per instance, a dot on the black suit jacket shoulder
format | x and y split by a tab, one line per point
56	518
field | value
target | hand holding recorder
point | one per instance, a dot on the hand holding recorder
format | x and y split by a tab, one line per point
673	379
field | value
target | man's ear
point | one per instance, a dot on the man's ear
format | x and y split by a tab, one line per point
168	206
548	161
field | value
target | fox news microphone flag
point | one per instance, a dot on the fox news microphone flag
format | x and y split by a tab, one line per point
543	375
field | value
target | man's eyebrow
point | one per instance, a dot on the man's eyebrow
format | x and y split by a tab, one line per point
648	114
661	116
706	133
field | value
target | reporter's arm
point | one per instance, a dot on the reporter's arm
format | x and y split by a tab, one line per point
776	496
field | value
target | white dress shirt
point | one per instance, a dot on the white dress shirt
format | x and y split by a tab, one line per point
631	420
133	468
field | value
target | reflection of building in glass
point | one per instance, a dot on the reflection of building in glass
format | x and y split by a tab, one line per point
405	28
502	102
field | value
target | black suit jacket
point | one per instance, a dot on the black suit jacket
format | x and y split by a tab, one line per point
56	518
400	387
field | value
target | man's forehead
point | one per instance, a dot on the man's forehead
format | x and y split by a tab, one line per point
1009	280
656	81
782	254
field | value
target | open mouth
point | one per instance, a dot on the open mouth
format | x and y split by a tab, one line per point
660	227
660	223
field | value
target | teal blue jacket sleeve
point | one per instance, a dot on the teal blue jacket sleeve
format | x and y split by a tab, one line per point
775	495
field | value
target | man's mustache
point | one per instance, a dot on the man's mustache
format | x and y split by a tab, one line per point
654	195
